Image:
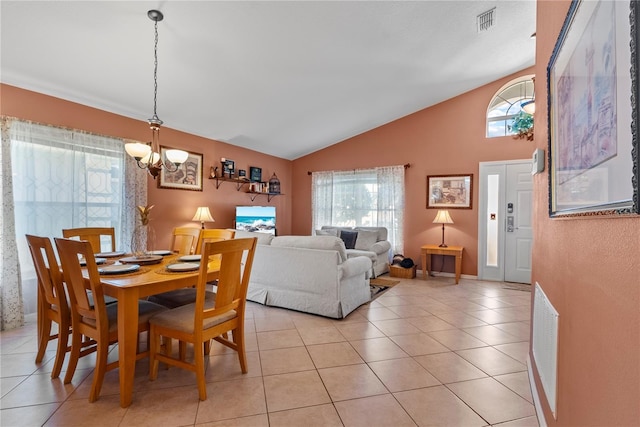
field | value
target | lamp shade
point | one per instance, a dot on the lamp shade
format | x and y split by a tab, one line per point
443	217
137	150
203	215
178	157
529	107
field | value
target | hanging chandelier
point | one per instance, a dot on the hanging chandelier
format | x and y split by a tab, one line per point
148	156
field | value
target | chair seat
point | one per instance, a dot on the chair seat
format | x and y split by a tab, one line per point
179	297
181	318
146	309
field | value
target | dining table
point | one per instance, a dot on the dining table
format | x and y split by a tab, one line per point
128	288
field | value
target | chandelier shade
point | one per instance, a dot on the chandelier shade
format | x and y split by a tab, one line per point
148	155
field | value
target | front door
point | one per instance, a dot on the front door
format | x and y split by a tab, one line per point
505	214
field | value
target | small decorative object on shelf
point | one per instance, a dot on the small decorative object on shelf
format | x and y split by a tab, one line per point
274	184
242	174
213	172
255	174
228	167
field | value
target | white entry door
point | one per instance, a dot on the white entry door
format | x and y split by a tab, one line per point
505	236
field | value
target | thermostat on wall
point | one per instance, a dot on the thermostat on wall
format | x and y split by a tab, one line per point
537	161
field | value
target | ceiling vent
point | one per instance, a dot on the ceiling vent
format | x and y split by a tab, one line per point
486	20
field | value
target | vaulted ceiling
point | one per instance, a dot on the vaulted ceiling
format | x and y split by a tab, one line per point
283	78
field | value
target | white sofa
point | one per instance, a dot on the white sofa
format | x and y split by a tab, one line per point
370	242
308	273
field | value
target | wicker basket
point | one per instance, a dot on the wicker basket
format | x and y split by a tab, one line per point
403	273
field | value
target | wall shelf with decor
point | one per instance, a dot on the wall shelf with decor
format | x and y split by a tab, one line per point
238	181
254	194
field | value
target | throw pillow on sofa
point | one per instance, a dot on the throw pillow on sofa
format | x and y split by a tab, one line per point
328	232
366	239
349	238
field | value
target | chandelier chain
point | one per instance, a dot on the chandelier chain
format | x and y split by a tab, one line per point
155	72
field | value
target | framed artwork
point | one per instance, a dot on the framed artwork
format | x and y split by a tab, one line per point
255	174
242	173
188	176
449	191
228	167
592	88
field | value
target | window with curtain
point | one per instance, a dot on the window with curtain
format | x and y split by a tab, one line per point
361	198
65	178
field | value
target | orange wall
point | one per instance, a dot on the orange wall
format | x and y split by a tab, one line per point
598	302
172	207
448	138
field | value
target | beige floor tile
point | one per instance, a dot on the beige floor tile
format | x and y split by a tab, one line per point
333	354
517	350
373	411
403	374
285	360
359	331
430	323
261	420
521	422
489	302
175	406
104	412
39	389
351	382
518	382
309	321
9	383
456	339
461	320
493	401
490	316
389	300
520	330
395	327
27	416
279	339
418	344
320	335
312	416
22	363
514	314
491	361
437	406
379	313
274	324
226	367
491	335
232	399
449	367
375	349
296	390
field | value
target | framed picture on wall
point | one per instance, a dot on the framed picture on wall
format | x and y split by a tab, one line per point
449	191
255	174
188	176
593	111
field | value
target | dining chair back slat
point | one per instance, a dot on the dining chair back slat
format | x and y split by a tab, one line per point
213	235
93	235
184	240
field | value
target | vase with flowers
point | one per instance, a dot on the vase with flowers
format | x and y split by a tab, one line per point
144	237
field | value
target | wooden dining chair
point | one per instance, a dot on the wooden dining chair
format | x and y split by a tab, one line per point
213	235
93	235
90	316
184	240
52	301
202	321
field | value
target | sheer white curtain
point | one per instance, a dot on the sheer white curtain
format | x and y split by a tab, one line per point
65	178
363	197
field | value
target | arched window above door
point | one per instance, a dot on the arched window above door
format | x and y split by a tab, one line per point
506	105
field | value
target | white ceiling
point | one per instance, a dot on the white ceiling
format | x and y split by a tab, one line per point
282	78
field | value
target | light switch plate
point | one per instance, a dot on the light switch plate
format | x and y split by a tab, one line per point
537	161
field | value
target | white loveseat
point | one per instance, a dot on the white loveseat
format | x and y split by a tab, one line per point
370	242
308	273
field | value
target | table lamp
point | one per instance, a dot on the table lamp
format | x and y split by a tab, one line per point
202	215
443	218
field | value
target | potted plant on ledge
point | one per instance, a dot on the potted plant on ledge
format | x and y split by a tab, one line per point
522	126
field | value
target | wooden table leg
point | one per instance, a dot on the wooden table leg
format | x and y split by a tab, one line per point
426	265
127	342
458	267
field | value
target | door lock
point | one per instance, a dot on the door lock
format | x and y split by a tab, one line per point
510	224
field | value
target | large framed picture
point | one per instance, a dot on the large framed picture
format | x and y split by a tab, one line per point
188	176
449	191
593	105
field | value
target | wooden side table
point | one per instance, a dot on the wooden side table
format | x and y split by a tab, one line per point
427	250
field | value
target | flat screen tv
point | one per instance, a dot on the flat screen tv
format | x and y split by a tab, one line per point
256	218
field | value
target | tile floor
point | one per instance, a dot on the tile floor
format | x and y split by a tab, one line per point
423	353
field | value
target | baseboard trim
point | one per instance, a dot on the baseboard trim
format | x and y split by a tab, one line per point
534	393
445	274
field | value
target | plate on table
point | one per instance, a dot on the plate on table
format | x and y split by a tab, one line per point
83	262
184	266
119	269
144	260
161	252
110	254
190	258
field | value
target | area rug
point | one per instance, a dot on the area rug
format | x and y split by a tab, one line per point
378	286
